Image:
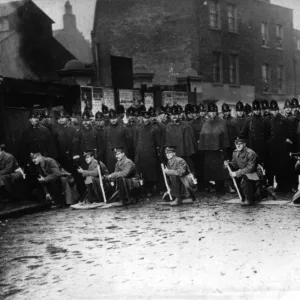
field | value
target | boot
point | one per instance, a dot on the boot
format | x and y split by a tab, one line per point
176	202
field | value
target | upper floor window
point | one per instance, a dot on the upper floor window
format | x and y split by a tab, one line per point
264	34
280	79
266	77
233	69
298	44
214	14
232	18
4	25
217	67
279	36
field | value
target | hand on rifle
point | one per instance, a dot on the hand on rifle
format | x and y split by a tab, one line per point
232	174
80	170
41	178
226	164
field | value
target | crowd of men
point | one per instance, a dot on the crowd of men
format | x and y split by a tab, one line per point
129	147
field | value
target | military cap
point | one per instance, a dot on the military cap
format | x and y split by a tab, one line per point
118	149
35	114
120	109
105	109
255	105
274	105
295	103
212	107
130	112
202	107
168	149
188	108
89	152
287	104
239	106
248	108
265	104
239	139
225	108
99	115
112	114
151	111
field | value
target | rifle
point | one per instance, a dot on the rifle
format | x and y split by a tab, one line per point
101	179
295	155
233	179
166	182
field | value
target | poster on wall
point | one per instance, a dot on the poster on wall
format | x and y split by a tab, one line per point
167	98
126	98
86	98
97	99
149	100
137	97
180	98
109	98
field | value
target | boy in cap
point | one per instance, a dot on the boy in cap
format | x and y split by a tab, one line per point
58	185
126	178
91	177
182	181
244	166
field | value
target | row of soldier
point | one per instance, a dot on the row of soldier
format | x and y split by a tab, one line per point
198	133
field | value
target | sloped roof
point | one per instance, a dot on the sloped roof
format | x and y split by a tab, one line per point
8	8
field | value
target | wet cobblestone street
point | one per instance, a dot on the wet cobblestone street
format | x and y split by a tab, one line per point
208	248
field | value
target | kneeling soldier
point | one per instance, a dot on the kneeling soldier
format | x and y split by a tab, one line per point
91	176
58	185
245	165
183	183
126	178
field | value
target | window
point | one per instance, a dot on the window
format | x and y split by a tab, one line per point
217	67
232	18
280	79
298	44
214	14
264	34
233	69
266	78
4	25
279	36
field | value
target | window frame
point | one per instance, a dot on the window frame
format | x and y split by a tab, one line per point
279	35
234	60
216	54
281	87
268	77
233	18
216	13
264	37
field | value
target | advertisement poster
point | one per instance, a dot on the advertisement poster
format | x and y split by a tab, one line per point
97	99
149	100
86	98
167	98
126	98
180	98
109	98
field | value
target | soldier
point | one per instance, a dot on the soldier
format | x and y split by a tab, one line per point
126	178
116	134
278	158
100	131
256	132
35	138
181	135
91	176
214	137
244	166
58	185
11	175
146	159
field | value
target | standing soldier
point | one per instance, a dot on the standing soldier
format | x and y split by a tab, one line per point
100	132
146	159
256	132
213	138
278	158
180	134
116	134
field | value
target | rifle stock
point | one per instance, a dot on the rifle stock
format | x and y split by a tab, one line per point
166	182
101	182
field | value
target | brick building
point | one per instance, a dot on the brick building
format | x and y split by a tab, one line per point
71	38
235	50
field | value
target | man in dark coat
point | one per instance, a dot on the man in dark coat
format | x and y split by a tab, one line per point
248	110
132	125
214	137
244	167
92	180
58	185
99	126
181	135
35	138
256	132
116	134
278	160
146	153
125	177
182	181
10	175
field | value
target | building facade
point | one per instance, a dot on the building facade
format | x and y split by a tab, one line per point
241	50
71	38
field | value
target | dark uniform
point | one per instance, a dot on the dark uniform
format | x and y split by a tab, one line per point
100	132
132	126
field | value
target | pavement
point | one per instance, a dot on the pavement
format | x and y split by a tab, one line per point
208	250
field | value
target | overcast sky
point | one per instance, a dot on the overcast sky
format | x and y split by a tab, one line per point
84	10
